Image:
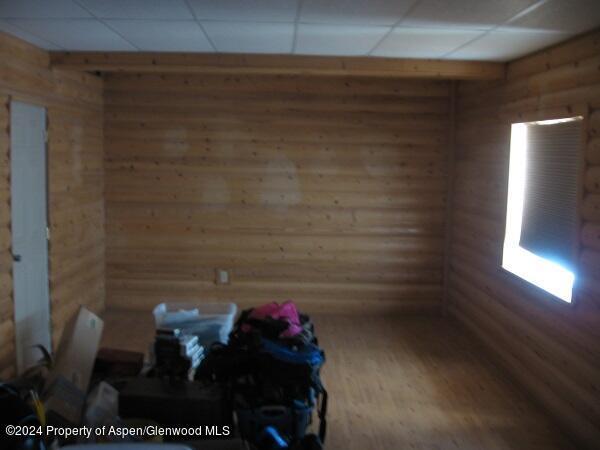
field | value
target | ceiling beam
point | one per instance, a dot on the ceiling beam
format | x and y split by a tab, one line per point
277	65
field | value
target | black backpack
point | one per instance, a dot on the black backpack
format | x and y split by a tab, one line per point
259	368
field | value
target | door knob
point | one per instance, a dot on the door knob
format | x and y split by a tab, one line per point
16	258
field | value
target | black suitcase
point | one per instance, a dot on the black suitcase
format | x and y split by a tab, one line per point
173	402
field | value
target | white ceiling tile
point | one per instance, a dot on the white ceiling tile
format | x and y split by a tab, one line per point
318	39
574	16
41	9
478	14
423	42
26	36
247	37
361	12
138	9
248	10
75	34
504	44
428	28
163	36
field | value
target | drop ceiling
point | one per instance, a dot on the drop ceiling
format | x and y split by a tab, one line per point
491	30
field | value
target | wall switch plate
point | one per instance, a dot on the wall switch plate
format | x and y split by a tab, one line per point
222	276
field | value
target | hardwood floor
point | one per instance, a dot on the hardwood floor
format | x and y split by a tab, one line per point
406	382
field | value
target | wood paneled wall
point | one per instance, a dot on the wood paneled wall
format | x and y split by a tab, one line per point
76	185
7	326
551	347
329	191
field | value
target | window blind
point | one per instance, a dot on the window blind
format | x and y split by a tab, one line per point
550	215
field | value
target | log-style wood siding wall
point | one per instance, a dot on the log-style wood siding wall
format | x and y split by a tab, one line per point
551	347
329	191
75	185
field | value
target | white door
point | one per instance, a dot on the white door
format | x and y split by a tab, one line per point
29	231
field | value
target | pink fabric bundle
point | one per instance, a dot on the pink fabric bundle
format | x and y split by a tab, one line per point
286	311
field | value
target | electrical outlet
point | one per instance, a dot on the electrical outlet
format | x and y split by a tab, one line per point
222	276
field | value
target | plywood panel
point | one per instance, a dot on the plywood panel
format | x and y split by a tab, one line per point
76	185
328	191
550	347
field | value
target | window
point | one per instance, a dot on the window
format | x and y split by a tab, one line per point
542	208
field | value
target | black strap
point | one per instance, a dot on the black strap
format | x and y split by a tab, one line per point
322	413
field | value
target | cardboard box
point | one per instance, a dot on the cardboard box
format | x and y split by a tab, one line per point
64	403
69	378
76	353
112	362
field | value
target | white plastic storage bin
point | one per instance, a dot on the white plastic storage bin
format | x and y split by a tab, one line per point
211	322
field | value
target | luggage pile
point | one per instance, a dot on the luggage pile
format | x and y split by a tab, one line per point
270	371
255	384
